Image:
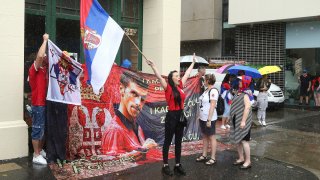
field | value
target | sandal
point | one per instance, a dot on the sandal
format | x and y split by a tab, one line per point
245	167
236	163
201	159
211	162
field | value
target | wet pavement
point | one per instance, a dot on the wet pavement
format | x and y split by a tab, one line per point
288	148
294	139
27	170
262	168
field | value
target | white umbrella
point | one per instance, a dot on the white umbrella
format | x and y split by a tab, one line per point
188	59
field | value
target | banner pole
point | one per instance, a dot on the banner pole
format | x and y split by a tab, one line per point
136	46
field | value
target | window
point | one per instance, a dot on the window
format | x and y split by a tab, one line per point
68	39
225	11
127	13
71	7
107	5
228	42
36	4
33	39
130	11
61	21
128	50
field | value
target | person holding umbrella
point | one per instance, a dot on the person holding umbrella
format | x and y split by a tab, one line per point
263	85
262	100
247	71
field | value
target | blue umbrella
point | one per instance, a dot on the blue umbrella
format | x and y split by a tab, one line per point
249	71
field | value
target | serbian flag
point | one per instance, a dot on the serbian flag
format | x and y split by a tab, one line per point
64	77
101	38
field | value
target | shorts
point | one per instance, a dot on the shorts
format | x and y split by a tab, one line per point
208	131
304	91
38	122
226	112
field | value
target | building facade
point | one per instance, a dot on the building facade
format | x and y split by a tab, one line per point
278	32
274	32
154	26
201	27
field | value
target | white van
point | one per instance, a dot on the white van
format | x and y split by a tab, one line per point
275	94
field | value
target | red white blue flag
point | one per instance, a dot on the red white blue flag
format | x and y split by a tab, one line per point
101	38
64	74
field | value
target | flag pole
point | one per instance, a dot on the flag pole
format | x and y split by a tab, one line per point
136	46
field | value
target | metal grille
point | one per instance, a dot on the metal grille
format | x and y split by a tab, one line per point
262	44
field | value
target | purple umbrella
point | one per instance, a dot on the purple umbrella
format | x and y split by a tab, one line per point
224	69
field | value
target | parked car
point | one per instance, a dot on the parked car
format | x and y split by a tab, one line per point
275	94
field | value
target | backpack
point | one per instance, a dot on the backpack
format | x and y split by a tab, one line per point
220	103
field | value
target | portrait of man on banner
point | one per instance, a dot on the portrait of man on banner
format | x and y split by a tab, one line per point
130	124
124	135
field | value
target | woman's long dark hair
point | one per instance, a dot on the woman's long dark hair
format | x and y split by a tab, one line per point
176	94
226	78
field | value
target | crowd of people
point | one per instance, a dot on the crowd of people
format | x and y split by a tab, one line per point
236	91
308	85
238	97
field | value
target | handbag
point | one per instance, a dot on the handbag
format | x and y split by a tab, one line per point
183	119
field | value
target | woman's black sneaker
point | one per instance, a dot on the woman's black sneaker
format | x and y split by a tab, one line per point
178	170
166	170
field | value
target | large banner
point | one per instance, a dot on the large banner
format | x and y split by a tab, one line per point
126	119
64	75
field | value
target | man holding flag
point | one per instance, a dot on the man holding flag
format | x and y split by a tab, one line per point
38	80
64	88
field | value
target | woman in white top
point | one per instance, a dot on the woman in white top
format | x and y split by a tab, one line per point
208	117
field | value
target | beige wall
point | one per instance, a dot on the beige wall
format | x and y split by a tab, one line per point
13	129
205	49
201	20
251	11
161	34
